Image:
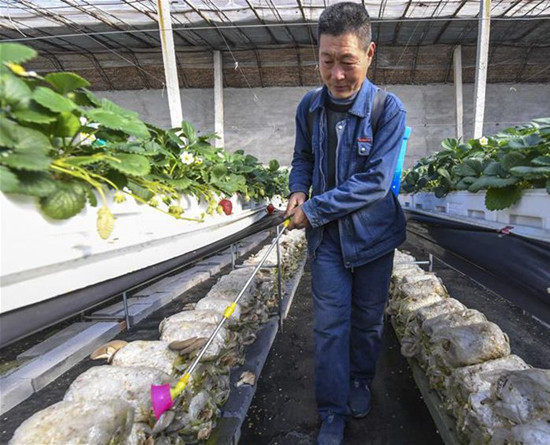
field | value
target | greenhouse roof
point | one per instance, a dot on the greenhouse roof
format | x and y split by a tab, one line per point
272	42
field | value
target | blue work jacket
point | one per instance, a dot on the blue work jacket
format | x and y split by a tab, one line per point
370	220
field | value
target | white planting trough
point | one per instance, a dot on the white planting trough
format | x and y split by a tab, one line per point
42	258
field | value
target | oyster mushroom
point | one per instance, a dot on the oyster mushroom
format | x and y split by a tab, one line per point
188	346
247	378
186	330
108	350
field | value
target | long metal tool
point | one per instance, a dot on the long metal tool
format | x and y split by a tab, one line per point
163	397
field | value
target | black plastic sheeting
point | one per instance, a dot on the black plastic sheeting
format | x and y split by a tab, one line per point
518	265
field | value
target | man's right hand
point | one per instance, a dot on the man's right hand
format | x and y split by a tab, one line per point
295	200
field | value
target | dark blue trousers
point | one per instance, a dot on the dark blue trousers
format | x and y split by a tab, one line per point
348	321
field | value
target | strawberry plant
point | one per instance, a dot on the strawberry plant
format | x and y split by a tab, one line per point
66	147
503	164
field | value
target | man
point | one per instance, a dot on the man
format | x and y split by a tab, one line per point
353	221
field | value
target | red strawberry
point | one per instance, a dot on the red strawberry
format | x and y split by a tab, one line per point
226	205
270	209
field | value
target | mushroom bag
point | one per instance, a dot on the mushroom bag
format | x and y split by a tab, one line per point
92	422
536	432
463	382
410	346
219	305
471	344
149	354
203	316
522	396
111	382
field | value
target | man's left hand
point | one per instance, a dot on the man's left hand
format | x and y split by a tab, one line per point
299	219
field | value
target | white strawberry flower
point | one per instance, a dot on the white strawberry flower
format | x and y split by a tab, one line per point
483	141
187	158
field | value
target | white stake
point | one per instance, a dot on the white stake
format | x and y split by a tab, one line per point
169	60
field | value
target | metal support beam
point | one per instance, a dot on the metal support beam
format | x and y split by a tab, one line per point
169	60
481	66
218	98
457	62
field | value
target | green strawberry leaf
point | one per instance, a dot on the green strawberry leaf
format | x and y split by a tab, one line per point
219	170
444	175
140	191
52	100
180	184
502	198
541	160
512	159
8	180
129	164
106	118
107	105
36	183
189	132
67	200
34	114
412	177
117	178
136	128
119	122
14	91
91	97
470	167
524	141
465	182
92	198
67	125
29	147
16	53
152	148
450	143
494	168
66	82
486	182
531	172
441	191
274	165
26	159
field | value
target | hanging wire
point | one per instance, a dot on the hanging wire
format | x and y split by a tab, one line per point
404	49
13	23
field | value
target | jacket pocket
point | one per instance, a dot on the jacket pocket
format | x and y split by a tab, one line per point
364	148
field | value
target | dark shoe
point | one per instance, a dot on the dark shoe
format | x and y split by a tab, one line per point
359	399
332	431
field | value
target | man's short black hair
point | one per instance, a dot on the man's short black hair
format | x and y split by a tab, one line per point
343	18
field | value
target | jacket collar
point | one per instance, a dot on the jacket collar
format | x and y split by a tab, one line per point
361	106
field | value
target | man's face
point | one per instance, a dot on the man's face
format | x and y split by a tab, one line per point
343	63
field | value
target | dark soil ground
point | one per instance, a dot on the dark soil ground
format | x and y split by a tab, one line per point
284	412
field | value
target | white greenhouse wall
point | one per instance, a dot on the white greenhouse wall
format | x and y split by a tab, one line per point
261	120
